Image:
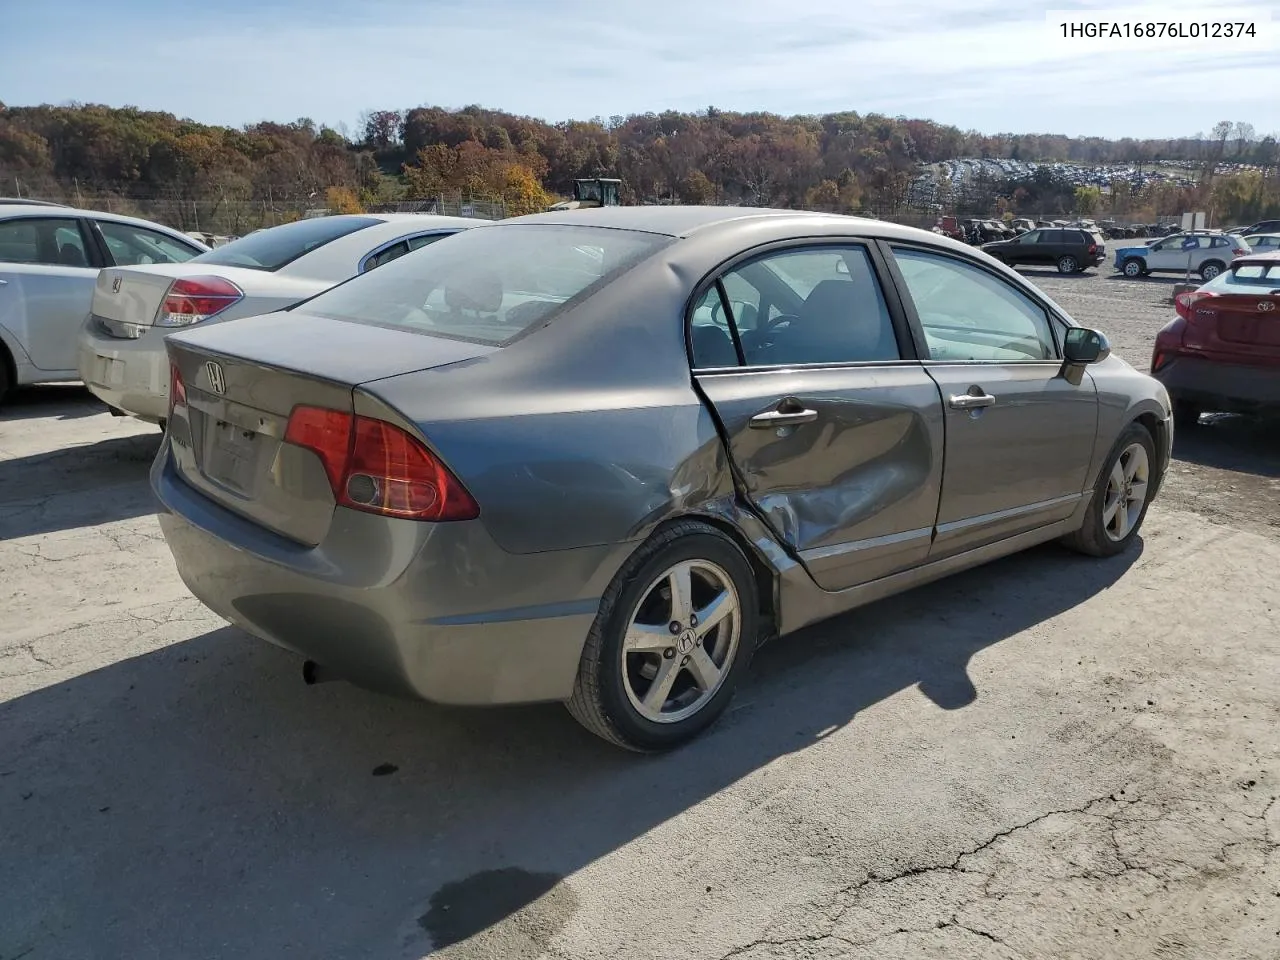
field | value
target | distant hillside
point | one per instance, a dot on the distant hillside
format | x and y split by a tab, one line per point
193	174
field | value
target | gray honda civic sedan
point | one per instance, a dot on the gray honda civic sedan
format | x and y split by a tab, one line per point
599	456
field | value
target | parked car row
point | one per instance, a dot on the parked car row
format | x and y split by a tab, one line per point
121	353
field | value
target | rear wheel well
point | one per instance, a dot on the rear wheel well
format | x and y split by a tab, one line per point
8	371
766	576
1157	428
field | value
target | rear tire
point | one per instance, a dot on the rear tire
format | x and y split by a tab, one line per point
1115	515
1068	264
1186	414
1211	269
1133	268
614	694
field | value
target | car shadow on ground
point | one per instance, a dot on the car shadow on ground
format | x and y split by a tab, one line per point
1164	280
1055	274
201	801
1230	442
66	401
77	486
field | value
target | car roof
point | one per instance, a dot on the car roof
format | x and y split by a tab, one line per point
683	221
11	210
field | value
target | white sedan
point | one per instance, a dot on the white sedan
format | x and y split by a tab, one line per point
121	353
50	256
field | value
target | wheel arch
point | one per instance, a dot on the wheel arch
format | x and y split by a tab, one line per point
757	545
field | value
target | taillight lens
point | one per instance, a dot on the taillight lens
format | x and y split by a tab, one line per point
192	299
1183	302
1238	252
376	467
177	389
1093	248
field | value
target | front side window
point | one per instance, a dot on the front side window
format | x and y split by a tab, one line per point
276	247
130	245
489	284
819	305
969	314
51	242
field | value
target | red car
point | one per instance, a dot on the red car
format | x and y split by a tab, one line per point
1222	351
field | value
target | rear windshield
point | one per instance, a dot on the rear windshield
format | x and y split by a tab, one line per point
275	247
490	284
1246	275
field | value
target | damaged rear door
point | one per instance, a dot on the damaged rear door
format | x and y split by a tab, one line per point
834	427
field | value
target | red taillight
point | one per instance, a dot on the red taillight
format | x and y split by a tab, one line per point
375	466
1238	252
1093	248
1184	302
192	299
177	389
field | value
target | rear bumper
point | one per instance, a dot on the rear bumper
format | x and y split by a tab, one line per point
1221	386
130	375
435	611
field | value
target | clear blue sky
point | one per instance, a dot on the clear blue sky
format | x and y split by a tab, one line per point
991	65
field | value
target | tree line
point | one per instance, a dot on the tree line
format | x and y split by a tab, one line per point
211	177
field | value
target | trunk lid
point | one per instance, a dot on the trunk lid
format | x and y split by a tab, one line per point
133	302
1243	323
243	381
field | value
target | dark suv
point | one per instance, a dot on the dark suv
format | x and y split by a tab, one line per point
1070	249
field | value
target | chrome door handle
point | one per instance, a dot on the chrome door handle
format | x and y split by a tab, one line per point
969	401
782	418
4	283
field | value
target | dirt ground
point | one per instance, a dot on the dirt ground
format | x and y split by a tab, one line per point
1047	758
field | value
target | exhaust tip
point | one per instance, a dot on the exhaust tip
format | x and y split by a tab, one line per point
313	673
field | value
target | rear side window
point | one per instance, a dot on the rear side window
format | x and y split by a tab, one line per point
131	245
276	247
817	305
489	284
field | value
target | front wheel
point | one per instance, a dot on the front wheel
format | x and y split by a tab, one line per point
1120	496
675	631
1133	268
1067	264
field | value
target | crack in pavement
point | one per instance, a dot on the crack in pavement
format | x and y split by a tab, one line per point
1112	810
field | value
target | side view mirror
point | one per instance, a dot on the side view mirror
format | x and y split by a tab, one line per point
1082	345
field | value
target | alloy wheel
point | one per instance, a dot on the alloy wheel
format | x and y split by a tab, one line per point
681	640
1126	492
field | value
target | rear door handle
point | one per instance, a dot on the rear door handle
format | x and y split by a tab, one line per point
969	401
784	416
4	283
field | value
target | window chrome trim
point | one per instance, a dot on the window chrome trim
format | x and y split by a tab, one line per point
364	261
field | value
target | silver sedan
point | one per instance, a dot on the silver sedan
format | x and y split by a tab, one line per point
120	354
600	456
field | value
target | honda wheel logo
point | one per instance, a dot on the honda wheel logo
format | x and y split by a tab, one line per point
217	381
1266	306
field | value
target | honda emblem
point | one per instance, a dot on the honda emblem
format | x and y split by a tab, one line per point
1266	305
217	381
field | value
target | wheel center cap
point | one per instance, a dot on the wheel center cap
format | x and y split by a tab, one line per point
686	641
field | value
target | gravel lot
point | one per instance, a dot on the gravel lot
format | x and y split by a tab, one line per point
1050	757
